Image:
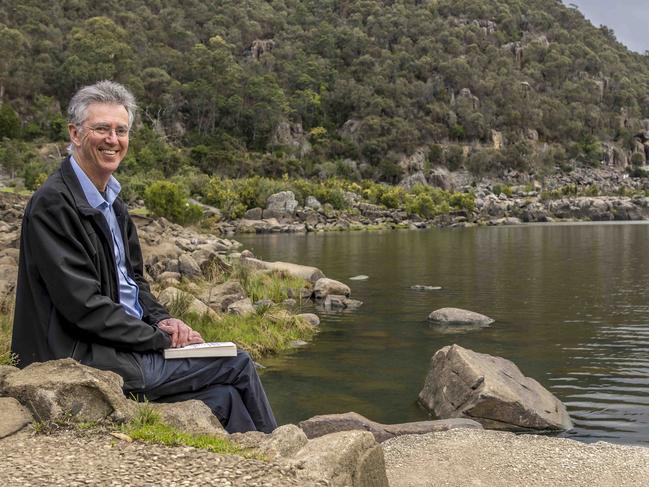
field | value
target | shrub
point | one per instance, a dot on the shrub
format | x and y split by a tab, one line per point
168	200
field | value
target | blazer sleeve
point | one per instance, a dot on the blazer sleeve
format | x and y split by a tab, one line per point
152	309
61	254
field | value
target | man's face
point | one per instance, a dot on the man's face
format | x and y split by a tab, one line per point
101	142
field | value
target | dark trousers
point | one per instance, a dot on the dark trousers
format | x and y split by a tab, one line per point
229	386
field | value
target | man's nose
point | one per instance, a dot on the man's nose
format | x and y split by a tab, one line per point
112	137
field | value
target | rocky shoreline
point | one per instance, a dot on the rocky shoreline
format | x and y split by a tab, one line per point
605	194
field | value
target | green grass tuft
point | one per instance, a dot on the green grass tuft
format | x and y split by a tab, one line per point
147	426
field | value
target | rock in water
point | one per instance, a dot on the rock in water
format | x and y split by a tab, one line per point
421	287
361	277
462	383
325	287
447	316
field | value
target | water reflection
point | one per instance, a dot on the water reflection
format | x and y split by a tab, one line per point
570	303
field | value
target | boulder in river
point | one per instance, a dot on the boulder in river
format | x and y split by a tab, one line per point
324	287
462	383
449	316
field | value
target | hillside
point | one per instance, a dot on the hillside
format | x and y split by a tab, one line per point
374	89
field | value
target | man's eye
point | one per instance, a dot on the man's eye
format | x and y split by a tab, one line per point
121	131
101	130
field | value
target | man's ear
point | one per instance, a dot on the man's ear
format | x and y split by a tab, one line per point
75	135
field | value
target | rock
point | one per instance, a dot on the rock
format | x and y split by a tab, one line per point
283	202
421	287
348	458
360	277
324	287
298	343
338	302
449	316
330	423
13	416
412	180
65	389
242	307
312	202
303	271
191	416
173	296
509	220
490	390
310	318
284	441
169	278
188	266
253	214
221	296
5	370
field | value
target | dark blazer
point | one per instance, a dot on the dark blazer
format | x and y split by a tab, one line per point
67	299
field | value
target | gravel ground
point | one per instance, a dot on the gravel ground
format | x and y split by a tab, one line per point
70	458
472	458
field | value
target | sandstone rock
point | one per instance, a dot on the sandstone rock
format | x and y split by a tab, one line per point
64	389
191	416
13	416
305	272
360	277
284	441
490	390
219	297
348	458
324	287
424	287
310	318
5	370
312	202
283	202
449	316
171	296
338	302
242	307
188	266
330	423
253	214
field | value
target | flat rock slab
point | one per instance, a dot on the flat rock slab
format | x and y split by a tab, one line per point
13	416
483	458
491	390
191	416
331	423
449	316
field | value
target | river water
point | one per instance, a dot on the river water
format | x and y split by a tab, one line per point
571	305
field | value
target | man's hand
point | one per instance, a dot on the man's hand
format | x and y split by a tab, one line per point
181	333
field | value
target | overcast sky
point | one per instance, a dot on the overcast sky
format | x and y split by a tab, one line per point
628	19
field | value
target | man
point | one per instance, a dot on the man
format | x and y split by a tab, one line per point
81	291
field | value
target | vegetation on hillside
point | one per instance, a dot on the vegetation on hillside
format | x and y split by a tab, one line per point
321	88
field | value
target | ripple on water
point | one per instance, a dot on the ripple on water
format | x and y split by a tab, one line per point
611	398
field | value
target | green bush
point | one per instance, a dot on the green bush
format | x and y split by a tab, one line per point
168	200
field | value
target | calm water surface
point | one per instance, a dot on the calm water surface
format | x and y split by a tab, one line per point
570	302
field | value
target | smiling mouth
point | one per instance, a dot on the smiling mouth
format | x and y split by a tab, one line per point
108	152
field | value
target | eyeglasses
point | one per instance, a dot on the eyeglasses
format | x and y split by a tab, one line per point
104	131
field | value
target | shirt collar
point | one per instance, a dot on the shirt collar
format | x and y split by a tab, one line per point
92	194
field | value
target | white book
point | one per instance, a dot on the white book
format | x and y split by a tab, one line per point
212	349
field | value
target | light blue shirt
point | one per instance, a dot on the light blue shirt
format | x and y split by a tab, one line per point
128	290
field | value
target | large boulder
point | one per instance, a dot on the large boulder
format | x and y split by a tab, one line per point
191	416
5	370
282	202
285	441
347	458
63	390
457	316
306	272
324	287
330	423
13	416
462	383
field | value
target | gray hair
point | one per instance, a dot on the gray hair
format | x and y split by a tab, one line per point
101	92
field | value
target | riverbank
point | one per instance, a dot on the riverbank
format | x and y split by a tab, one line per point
455	458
